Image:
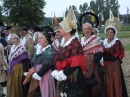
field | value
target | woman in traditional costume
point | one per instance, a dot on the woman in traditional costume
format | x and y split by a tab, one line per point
18	59
93	51
43	62
112	56
70	62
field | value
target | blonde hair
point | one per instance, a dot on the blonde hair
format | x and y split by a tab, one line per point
87	24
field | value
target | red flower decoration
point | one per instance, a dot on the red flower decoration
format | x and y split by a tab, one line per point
72	41
76	44
80	50
67	54
63	51
73	51
69	47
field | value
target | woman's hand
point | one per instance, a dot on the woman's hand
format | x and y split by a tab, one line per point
36	76
59	75
25	73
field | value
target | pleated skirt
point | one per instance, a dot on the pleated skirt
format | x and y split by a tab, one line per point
14	82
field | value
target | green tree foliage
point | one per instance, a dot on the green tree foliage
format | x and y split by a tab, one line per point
113	5
83	8
28	12
102	7
75	11
1	17
97	6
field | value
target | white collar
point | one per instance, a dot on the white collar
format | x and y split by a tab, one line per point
108	45
34	36
57	42
83	42
63	44
14	49
38	51
23	41
8	37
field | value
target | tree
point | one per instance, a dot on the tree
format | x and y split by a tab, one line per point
83	8
75	11
102	7
1	17
113	5
28	12
97	7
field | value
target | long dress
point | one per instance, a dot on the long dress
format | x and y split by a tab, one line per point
114	79
71	60
93	50
43	62
18	60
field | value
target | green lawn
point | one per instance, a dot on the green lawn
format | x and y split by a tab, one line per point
127	47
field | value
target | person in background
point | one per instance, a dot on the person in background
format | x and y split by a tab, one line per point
2	32
58	38
35	35
27	41
3	41
35	30
112	56
29	31
8	32
95	31
18	67
3	72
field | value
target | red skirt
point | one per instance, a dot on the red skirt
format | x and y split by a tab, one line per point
112	78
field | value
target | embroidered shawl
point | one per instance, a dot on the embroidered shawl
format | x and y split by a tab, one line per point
16	56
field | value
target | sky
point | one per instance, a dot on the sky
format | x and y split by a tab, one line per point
59	6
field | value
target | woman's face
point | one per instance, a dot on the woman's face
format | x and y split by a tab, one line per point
14	39
110	34
41	39
61	31
86	30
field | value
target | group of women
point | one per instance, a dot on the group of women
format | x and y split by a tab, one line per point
74	68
